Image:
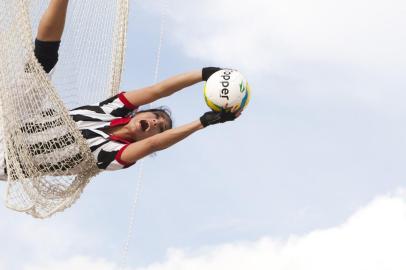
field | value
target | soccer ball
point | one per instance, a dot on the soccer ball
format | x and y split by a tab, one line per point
226	87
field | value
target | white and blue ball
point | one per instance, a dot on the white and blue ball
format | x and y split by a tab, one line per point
226	87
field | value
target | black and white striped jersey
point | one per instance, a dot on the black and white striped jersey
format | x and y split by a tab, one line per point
93	120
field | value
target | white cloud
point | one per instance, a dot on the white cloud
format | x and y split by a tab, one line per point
27	240
336	50
374	237
76	263
266	35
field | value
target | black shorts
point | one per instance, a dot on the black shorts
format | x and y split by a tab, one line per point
47	53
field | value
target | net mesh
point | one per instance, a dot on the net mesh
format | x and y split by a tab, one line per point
48	161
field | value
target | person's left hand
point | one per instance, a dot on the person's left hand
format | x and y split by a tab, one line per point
235	109
212	117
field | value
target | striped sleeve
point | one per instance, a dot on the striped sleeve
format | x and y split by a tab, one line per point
109	156
117	106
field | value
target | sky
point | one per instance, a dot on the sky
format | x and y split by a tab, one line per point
311	176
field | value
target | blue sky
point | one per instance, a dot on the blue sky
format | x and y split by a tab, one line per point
311	176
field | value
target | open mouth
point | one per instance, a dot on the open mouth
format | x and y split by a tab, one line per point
144	125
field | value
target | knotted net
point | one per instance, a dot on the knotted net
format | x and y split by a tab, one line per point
48	161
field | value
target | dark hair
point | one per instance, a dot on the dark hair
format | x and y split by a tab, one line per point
162	111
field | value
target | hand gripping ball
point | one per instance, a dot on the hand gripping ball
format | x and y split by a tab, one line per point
225	89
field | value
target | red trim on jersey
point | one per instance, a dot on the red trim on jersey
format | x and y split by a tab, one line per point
120	121
119	139
126	102
118	157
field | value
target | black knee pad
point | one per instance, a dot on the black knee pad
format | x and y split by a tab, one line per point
47	53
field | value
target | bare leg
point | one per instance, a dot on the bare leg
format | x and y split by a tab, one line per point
53	21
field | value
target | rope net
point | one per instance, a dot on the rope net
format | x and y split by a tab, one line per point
48	161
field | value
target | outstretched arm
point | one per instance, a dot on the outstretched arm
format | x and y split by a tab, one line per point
138	150
164	88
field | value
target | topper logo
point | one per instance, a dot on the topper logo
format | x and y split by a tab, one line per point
225	83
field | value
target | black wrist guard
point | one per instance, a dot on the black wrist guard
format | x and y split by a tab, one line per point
208	71
211	118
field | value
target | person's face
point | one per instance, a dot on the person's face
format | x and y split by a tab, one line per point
147	124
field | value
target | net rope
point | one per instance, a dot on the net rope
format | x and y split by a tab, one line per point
48	161
139	185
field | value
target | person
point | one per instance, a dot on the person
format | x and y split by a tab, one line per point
116	135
